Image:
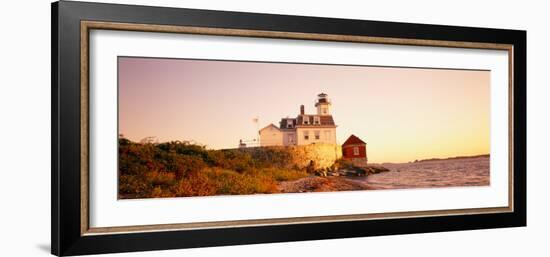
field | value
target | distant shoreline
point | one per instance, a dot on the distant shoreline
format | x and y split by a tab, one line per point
439	159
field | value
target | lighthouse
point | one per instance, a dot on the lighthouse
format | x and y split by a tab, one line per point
323	104
304	129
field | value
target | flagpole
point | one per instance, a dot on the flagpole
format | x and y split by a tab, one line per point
257	121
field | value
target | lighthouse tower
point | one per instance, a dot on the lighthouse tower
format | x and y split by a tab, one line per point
323	104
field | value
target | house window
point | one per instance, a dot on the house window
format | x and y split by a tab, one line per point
356	150
306	135
317	134
306	120
324	110
316	120
291	138
289	123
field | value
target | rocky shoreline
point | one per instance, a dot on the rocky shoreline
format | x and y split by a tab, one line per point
321	184
329	180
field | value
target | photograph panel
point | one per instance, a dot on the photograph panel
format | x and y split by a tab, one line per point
190	127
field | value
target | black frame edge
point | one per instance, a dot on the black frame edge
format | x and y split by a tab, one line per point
520	126
54	130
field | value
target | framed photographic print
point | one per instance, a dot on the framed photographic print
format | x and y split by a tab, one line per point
178	128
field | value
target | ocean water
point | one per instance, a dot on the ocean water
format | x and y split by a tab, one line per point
472	171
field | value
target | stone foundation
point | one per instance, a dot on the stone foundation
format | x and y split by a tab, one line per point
322	155
359	162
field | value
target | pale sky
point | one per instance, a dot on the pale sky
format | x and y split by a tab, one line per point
402	113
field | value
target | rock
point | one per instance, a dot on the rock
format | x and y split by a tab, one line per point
360	172
377	169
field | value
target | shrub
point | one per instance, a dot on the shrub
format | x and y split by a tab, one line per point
131	186
135	159
156	178
159	192
229	182
271	157
183	169
195	185
283	174
232	159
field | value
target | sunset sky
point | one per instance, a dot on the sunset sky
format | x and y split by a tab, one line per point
402	113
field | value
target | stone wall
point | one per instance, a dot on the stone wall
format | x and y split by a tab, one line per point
323	155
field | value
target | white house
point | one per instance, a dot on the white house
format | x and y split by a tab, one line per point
305	129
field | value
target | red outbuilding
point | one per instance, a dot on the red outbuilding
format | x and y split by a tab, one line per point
355	149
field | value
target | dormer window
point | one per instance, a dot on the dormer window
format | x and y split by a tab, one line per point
289	124
306	120
316	120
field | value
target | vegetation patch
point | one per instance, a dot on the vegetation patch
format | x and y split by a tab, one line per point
176	169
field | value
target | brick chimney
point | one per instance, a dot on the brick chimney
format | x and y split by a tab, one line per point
302	111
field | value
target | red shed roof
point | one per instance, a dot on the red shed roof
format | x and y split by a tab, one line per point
353	140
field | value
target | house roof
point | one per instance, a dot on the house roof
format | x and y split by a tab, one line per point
285	121
353	140
270	125
325	120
